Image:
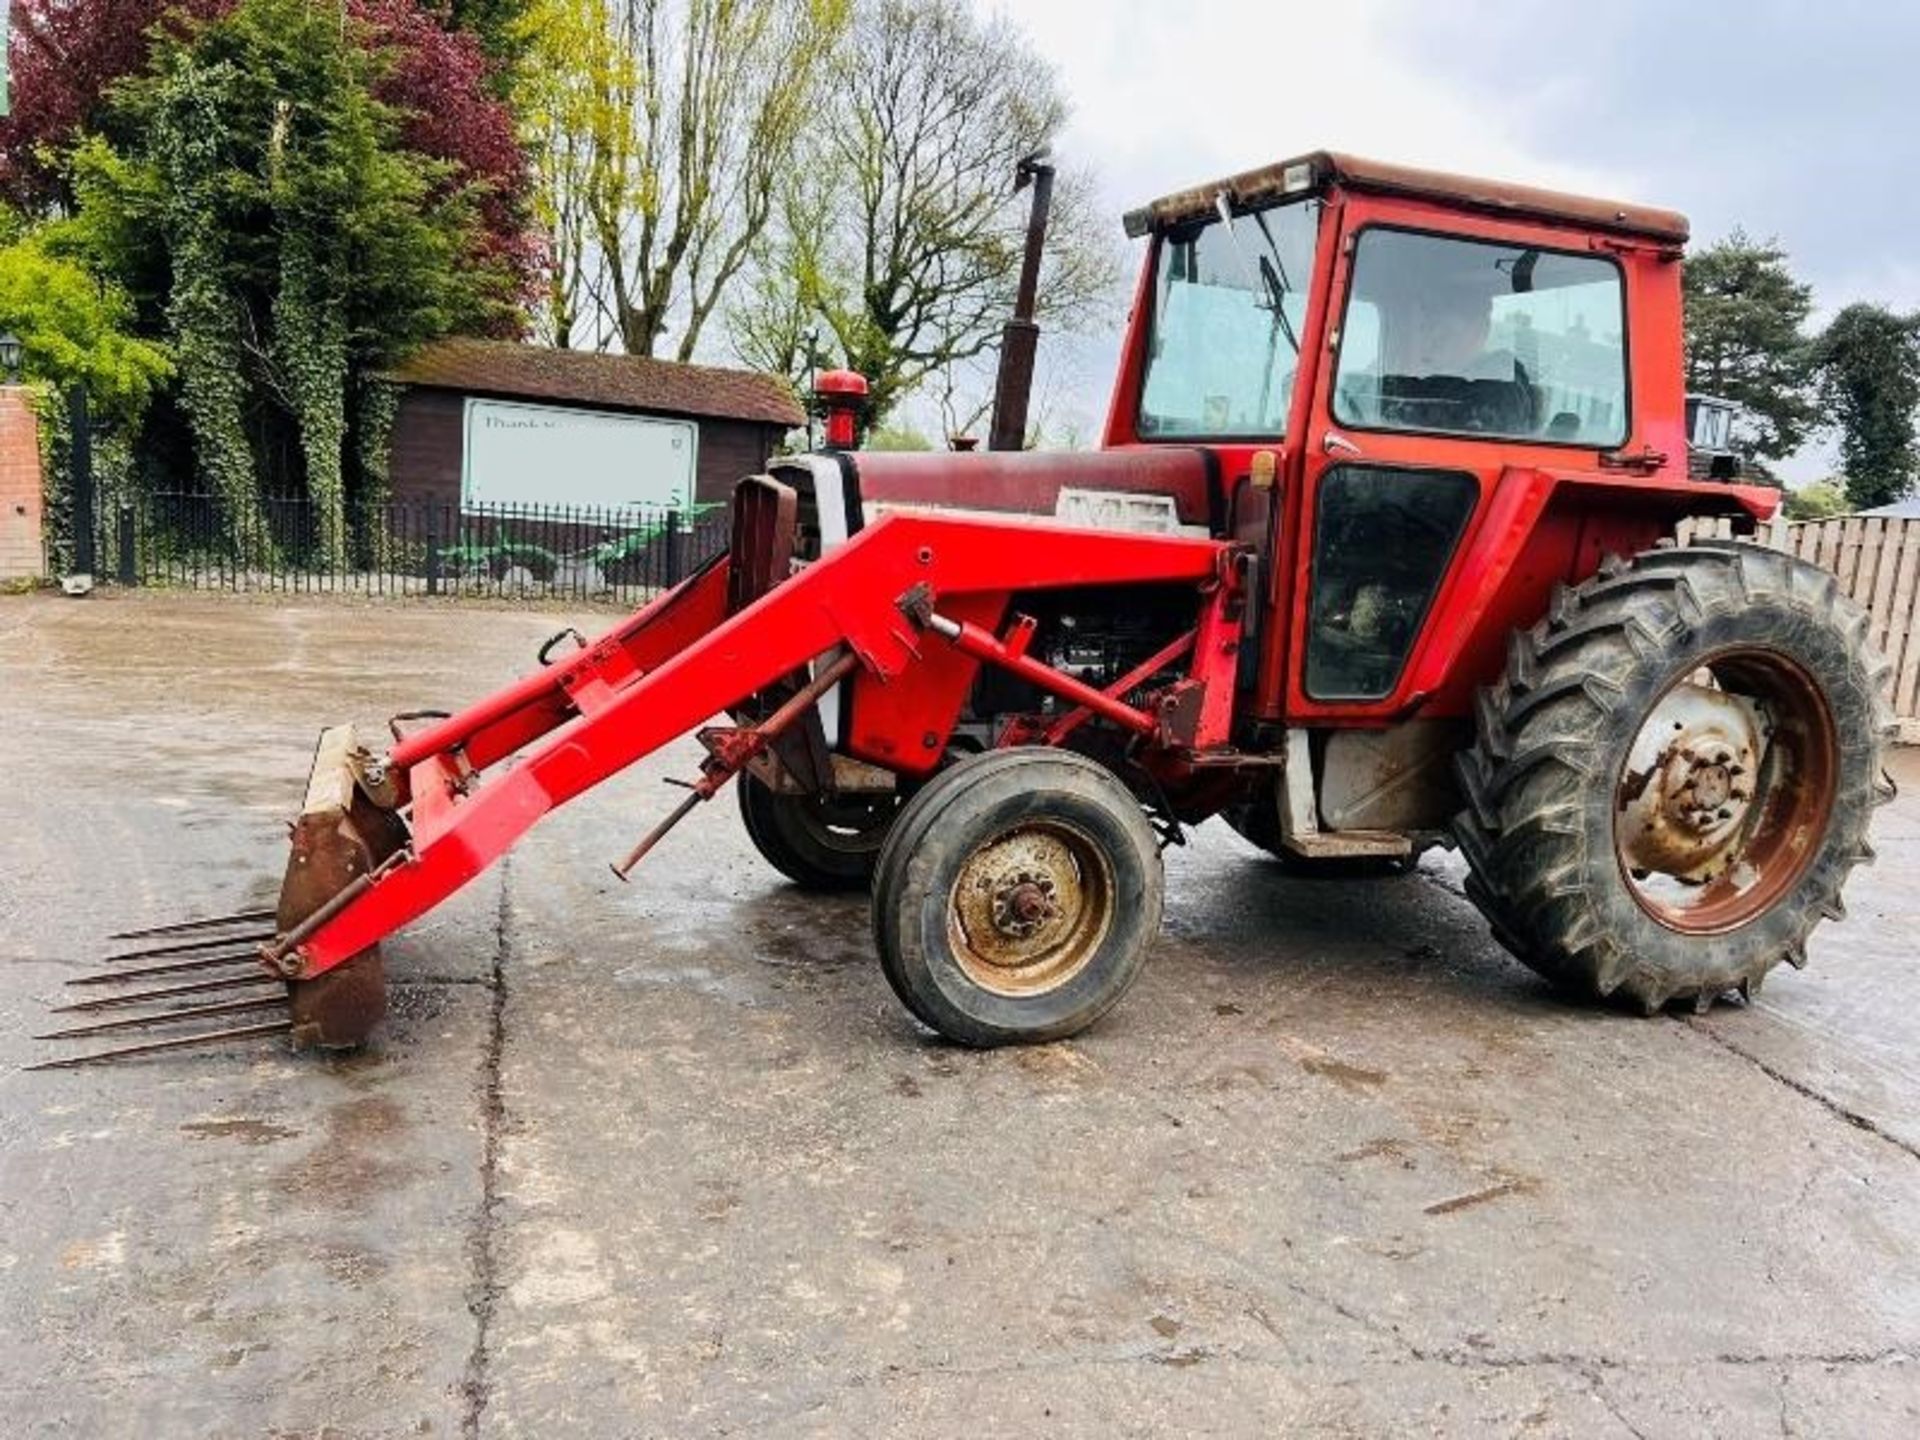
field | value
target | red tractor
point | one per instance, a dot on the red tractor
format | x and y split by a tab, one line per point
1374	557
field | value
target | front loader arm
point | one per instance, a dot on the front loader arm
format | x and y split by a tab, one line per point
676	664
516	715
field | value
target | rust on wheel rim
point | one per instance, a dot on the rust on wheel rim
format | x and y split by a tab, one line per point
1724	795
1030	908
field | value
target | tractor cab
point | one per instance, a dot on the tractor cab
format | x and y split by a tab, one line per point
1389	368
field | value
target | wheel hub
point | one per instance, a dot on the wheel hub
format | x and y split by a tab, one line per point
1689	782
1029	908
1020	908
1725	791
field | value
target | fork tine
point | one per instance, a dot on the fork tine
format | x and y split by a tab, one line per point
212	1037
155	952
171	1017
211	922
140	997
172	967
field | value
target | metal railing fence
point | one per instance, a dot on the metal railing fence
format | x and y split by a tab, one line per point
407	548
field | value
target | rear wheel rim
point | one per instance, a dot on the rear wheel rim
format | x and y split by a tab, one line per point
1723	798
1030	908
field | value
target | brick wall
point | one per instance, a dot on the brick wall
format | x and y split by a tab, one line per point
22	555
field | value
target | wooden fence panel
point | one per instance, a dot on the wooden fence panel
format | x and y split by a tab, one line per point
1880	603
1877	561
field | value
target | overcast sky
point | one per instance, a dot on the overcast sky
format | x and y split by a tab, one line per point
1800	121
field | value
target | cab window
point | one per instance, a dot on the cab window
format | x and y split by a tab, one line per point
1464	337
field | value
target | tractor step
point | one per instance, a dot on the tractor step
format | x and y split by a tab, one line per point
1349	845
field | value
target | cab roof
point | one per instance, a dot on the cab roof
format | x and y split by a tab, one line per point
1320	169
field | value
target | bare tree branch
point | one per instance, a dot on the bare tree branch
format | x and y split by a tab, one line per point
899	235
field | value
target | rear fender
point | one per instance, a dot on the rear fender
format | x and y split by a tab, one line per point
1539	529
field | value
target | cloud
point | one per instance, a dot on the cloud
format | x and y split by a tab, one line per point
1791	120
1169	96
1166	96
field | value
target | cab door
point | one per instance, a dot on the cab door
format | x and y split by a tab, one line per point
1460	351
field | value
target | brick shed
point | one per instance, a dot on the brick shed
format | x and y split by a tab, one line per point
495	421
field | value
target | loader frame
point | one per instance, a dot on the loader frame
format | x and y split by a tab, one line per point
913	598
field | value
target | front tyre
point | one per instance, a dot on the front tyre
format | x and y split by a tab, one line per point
1017	897
1669	787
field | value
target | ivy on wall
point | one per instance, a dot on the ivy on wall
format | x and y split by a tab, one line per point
188	107
113	477
311	348
377	406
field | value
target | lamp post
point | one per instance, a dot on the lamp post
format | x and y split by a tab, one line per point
10	350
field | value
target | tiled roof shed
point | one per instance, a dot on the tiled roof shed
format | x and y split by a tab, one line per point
742	417
617	382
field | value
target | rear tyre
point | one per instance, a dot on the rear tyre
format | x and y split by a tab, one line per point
820	842
1669	787
1017	897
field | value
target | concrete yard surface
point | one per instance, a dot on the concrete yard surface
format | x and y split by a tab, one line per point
668	1158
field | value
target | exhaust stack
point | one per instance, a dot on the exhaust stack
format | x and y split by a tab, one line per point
1021	339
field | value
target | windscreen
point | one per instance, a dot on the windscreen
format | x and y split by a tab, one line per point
1229	306
1456	336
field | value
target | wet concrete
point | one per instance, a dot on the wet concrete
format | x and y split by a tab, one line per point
668	1159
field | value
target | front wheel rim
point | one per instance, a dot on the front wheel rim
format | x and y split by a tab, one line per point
1723	798
1030	908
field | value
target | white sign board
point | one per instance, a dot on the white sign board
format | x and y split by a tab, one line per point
520	454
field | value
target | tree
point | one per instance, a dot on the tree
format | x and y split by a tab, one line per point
304	244
500	28
663	128
74	329
64	56
900	235
1822	500
1745	314
443	82
68	54
897	437
1868	364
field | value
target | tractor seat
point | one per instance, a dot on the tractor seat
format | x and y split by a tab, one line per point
1453	402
